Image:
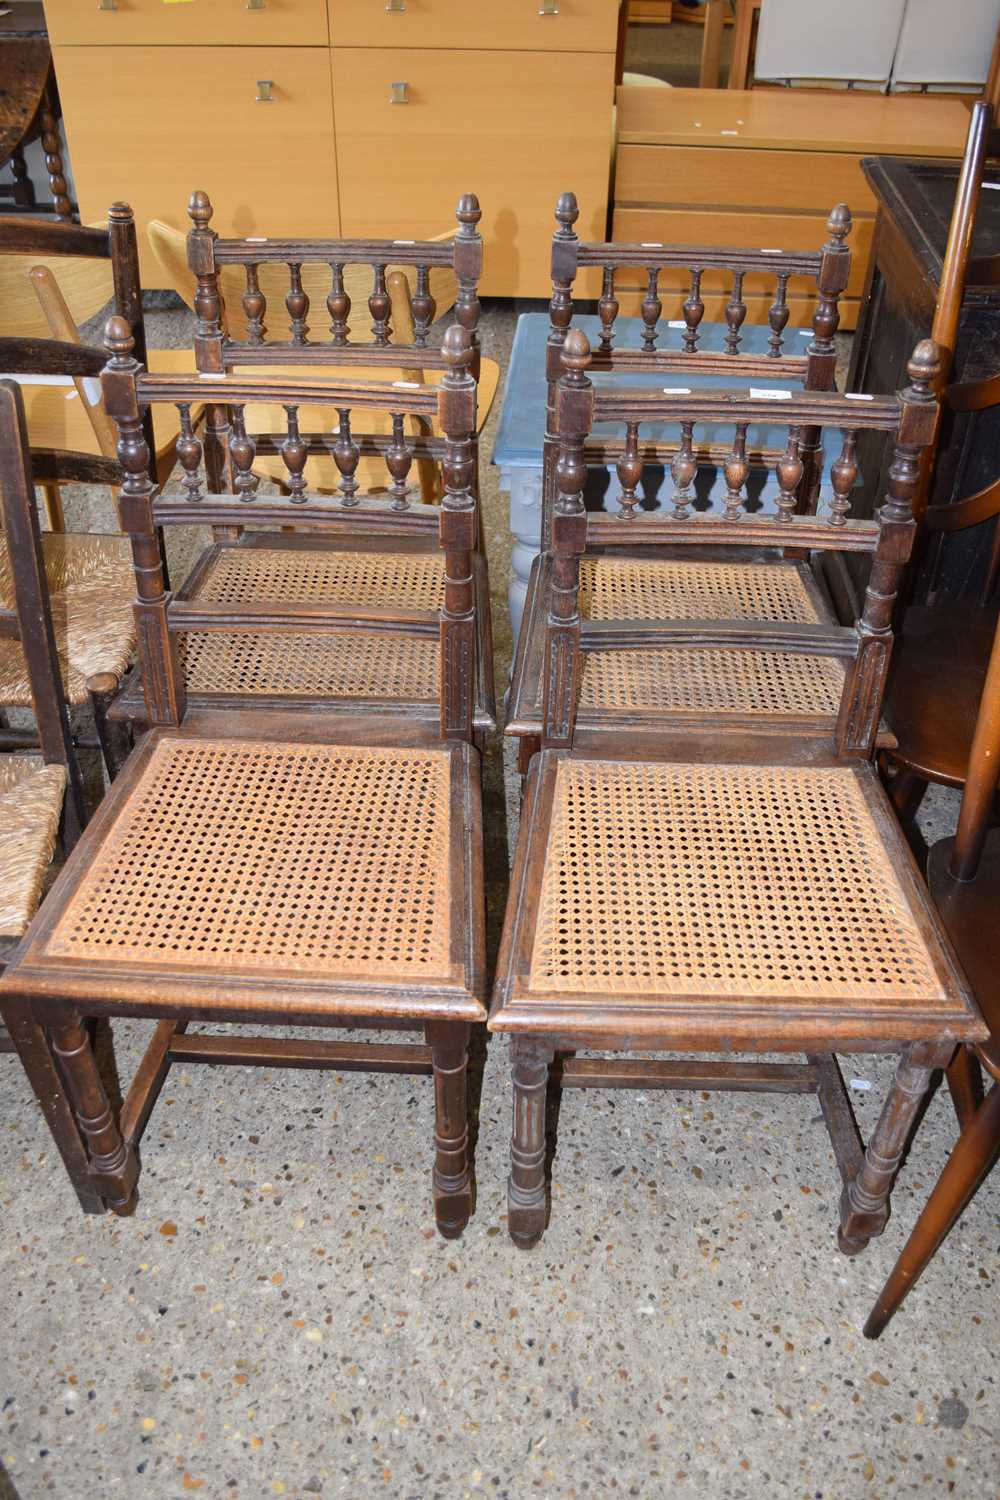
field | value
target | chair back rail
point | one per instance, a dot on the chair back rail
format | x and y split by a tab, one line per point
215	349
129	391
32	615
910	417
829	266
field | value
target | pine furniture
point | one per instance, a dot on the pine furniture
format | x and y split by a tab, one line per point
294	108
731	168
677	891
277	870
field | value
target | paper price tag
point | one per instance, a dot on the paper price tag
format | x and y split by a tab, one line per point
677	390
756	395
857	396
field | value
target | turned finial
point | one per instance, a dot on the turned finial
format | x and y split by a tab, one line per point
468	213
200	210
567	213
839	223
122	212
575	353
924	366
118	339
457	349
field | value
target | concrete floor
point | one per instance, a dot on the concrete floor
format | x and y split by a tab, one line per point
280	1317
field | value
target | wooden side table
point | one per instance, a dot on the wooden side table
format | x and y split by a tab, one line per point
29	109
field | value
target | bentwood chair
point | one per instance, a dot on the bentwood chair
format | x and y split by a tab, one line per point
944	644
622	583
964	877
675	889
93	265
40	795
279	869
362	565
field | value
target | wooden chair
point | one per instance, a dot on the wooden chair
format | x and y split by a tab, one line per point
964	877
944	645
93	265
170	247
88	576
629	586
279	869
674	890
41	795
359	566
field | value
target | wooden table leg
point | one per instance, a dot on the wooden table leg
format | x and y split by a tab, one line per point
449	1044
530	1061
864	1205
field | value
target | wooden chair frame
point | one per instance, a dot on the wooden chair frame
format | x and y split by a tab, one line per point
32	625
542	1024
62	995
813	371
225	447
32	356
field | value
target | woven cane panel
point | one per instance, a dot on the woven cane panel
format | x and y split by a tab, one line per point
91	588
631	588
31	798
411	580
732	881
701	681
327	859
363	665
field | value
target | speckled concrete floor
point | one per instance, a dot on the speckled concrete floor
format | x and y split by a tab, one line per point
280	1317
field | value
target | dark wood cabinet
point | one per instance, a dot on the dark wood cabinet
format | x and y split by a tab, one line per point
914	208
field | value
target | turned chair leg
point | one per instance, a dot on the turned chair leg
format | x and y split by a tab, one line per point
449	1044
32	1047
530	1062
965	1084
864	1204
974	1156
114	1167
113	736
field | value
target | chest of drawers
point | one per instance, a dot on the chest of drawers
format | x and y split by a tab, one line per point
353	117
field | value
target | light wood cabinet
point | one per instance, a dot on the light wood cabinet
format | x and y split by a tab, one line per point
188	23
269	168
525	25
761	169
283	112
517	161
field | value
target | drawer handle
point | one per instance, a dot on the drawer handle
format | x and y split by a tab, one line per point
549	8
255	4
264	87
395	7
399	94
107	4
